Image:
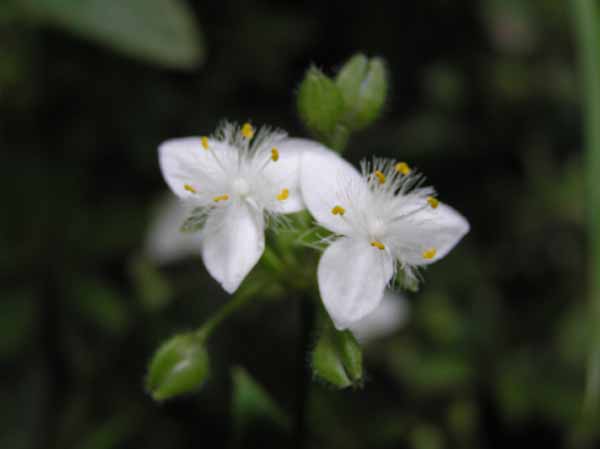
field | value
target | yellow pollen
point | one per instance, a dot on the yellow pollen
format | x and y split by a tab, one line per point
338	210
189	188
274	154
204	141
378	245
225	197
380	177
429	253
433	202
283	195
247	131
402	167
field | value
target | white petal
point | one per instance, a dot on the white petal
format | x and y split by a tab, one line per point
164	242
352	278
285	173
233	241
391	314
185	161
327	180
440	229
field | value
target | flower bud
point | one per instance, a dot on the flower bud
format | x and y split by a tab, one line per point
180	365
320	104
337	358
363	84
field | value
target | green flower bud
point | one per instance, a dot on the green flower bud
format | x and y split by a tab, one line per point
180	365
337	358
320	104
363	84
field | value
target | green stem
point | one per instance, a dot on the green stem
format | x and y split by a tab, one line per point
587	34
239	299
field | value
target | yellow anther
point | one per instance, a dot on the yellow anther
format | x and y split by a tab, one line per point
380	177
247	131
402	167
429	253
433	202
204	141
189	188
338	210
274	154
225	197
283	195
377	244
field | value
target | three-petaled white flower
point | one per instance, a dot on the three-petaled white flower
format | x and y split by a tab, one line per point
384	221
231	181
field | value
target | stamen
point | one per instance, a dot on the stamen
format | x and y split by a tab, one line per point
225	197
429	253
377	244
402	167
274	154
433	202
204	141
247	131
283	195
338	210
189	188
380	177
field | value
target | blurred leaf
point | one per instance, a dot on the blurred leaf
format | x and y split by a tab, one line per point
427	437
250	402
154	290
111	434
159	31
16	321
427	371
101	304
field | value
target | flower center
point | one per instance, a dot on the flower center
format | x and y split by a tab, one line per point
240	187
375	227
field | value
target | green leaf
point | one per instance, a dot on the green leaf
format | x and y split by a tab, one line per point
251	403
159	31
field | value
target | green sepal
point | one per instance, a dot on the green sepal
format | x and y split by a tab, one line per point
337	357
363	84
179	366
406	282
320	104
195	222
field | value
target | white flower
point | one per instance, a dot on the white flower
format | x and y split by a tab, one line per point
384	221
391	314
231	181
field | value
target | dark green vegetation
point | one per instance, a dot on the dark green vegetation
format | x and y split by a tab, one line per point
484	99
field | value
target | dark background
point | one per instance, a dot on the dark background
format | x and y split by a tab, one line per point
484	99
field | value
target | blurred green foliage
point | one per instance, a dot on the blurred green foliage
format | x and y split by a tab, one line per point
159	31
483	99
